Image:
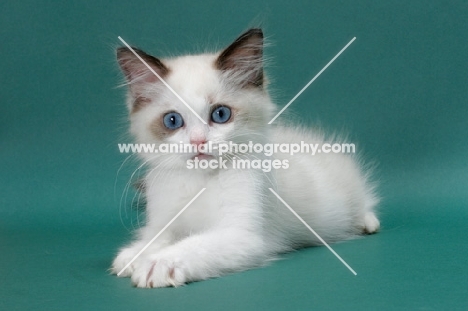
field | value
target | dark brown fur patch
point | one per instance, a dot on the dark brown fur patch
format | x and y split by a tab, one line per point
139	103
159	130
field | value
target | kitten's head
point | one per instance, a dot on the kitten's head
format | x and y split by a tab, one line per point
226	90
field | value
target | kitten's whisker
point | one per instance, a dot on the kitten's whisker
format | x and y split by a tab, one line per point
123	198
118	171
115	188
140	193
137	192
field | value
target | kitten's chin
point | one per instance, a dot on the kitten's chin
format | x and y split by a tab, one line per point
202	156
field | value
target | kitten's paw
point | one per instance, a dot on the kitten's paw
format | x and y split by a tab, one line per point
122	259
371	223
159	272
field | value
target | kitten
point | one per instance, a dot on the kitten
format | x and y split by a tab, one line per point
236	223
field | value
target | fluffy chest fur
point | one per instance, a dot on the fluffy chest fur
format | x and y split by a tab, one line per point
231	196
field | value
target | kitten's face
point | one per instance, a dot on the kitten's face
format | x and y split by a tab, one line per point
226	90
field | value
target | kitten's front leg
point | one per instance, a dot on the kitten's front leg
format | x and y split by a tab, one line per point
199	257
127	254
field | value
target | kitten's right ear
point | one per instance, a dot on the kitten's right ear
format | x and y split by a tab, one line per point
136	72
138	75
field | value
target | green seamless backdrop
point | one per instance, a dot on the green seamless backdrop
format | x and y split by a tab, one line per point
399	91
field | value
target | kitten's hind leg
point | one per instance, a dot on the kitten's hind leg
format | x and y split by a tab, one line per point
371	223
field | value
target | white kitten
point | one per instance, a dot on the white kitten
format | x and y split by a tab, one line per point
237	223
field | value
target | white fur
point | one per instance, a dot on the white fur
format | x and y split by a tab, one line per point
236	223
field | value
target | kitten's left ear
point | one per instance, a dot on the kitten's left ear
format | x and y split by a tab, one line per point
244	58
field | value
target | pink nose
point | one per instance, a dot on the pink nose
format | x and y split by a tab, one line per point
197	141
197	137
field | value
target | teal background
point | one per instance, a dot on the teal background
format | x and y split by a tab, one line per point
399	90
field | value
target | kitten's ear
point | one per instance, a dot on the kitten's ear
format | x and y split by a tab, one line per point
244	58
136	72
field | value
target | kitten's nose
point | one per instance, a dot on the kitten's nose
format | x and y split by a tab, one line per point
197	137
197	141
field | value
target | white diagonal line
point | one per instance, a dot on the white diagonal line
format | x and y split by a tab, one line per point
164	82
310	82
162	230
313	231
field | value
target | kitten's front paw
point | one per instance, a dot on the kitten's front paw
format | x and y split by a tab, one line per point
122	259
159	272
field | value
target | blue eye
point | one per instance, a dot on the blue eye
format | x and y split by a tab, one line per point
173	120
222	114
